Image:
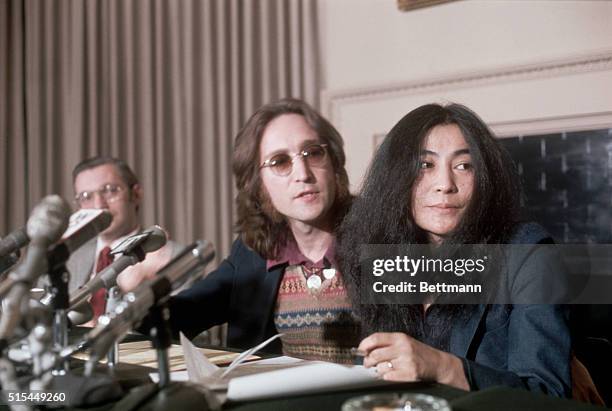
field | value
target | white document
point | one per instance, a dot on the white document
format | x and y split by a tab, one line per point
313	376
267	364
273	377
198	366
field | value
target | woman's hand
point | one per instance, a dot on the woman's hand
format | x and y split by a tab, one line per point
399	357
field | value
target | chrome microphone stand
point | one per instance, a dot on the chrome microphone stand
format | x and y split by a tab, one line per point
60	301
113	299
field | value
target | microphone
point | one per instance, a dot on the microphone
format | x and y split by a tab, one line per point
135	305
84	225
8	261
45	225
9	248
133	249
48	220
13	242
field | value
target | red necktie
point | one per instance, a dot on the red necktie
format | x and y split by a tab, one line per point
98	298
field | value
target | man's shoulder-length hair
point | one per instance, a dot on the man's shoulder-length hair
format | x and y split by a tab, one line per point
260	226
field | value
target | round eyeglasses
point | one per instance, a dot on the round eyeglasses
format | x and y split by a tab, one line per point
282	164
109	192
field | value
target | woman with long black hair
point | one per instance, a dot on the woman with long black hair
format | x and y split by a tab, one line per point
440	177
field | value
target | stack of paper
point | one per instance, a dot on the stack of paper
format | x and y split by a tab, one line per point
274	377
141	353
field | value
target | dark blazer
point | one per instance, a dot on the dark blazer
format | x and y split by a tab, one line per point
524	346
241	292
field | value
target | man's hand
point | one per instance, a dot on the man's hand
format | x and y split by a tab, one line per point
132	276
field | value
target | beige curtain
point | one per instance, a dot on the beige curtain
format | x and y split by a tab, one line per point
163	84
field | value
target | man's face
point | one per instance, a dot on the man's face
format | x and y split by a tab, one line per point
306	194
106	190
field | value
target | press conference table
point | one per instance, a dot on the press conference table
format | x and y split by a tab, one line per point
140	359
498	399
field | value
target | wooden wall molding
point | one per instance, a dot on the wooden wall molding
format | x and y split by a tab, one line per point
333	100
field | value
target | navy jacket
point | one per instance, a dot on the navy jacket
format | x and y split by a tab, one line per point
524	346
241	292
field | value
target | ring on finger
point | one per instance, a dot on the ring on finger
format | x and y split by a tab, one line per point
389	365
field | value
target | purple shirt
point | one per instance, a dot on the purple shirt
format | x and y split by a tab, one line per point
291	255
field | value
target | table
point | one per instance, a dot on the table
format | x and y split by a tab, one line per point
137	360
496	398
140	353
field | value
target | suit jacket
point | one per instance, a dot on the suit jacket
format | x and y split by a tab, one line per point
80	265
524	346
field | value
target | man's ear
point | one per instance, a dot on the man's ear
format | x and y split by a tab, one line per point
137	194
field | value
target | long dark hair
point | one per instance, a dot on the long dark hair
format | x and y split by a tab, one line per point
259	225
382	213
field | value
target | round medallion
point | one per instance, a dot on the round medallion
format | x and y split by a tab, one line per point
313	282
329	273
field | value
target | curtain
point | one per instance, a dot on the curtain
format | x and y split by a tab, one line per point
163	84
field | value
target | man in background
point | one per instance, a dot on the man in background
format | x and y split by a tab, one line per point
109	183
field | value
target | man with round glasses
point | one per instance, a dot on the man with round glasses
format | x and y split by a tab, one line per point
282	275
282	164
109	183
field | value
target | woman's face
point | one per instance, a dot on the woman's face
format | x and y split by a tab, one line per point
444	187
306	193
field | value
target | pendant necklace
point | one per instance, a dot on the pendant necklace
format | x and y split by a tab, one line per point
313	276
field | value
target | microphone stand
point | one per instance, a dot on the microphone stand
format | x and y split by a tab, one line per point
162	340
166	394
114	298
85	390
60	301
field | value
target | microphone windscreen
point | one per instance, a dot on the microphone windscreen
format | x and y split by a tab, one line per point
157	239
48	220
13	242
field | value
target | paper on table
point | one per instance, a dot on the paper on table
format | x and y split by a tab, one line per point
242	357
201	370
302	379
198	366
275	377
140	353
177	376
258	366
